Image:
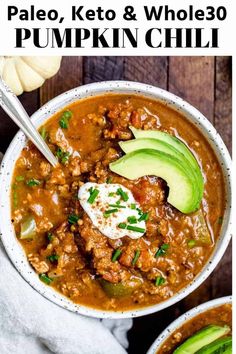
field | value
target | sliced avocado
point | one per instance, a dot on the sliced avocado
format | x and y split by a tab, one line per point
219	346
202	338
150	143
183	193
173	141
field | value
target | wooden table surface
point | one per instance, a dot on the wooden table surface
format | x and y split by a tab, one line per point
204	82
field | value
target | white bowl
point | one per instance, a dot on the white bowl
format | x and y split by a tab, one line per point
13	247
186	317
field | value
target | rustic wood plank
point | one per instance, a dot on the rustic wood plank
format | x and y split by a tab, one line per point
223	99
192	78
69	76
102	69
8	128
150	70
221	278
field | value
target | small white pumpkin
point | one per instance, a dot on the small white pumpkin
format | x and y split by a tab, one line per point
27	73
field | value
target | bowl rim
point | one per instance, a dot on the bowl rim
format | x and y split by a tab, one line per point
195	311
96	89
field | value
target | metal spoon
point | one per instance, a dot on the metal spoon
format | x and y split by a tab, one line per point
12	106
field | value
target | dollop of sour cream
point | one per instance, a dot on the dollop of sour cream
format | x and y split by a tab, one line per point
113	210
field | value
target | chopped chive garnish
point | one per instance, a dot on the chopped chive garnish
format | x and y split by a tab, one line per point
59	153
220	220
64	120
144	217
162	250
73	218
159	281
43	133
139	211
63	156
191	243
67	114
132	219
64	123
133	206
49	236
109	212
123	194
136	257
111	194
117	206
53	258
109	180
93	195
20	178
122	225
135	228
45	278
116	255
33	182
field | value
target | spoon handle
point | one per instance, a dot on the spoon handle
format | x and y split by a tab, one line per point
12	106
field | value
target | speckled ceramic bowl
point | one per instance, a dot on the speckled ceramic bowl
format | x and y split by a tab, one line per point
186	317
14	248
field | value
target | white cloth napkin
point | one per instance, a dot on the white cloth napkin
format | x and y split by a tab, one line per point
31	324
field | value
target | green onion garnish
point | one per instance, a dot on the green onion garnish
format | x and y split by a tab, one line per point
122	225
220	220
73	218
45	278
43	133
162	250
53	258
191	243
132	219
93	195
116	255
144	217
64	120
109	180
49	236
159	281
117	206
136	257
109	212
33	182
20	178
123	194
111	194
133	206
135	228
